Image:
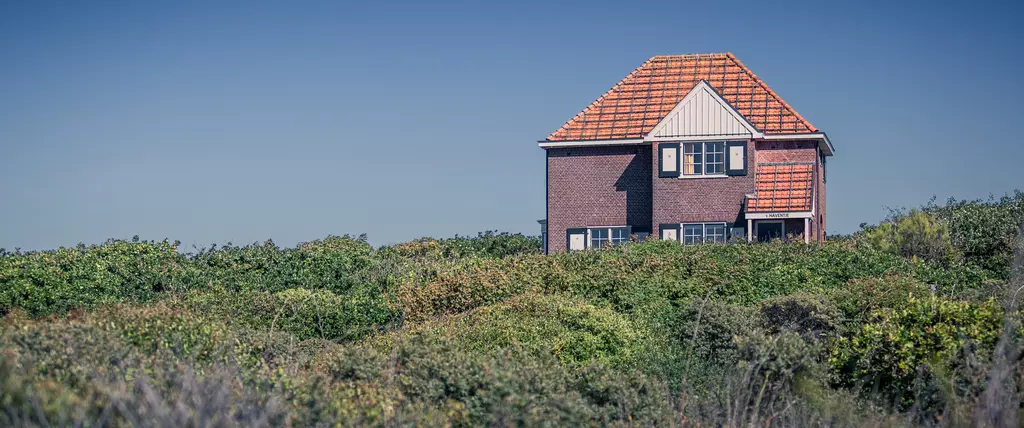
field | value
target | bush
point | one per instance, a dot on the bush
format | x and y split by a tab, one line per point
705	334
862	298
916	235
486	244
891	353
575	332
802	313
43	282
984	231
302	312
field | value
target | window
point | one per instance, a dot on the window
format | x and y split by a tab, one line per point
604	236
714	233
824	170
693	234
692	157
704	233
704	158
598	238
620	235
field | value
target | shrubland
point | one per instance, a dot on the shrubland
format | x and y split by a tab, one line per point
910	322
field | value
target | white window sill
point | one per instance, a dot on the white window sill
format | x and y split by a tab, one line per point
692	177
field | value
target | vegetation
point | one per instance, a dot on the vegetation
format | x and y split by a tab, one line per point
911	322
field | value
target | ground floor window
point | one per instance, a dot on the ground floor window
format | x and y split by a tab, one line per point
603	236
704	233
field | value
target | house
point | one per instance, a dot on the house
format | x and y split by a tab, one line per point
689	148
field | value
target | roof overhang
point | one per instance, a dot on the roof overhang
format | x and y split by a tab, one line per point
823	142
546	144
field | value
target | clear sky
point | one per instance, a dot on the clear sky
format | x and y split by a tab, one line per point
241	121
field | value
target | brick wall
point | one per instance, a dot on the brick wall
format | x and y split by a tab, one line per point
597	186
787	151
681	200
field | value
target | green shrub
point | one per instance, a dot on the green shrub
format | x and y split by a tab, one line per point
302	312
802	313
575	332
862	298
984	231
916	235
889	353
44	282
705	335
485	244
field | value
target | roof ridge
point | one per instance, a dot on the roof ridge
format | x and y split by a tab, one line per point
764	85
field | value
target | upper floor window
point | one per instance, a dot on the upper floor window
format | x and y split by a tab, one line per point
704	158
824	170
699	233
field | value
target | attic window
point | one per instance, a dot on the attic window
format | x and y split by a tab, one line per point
704	158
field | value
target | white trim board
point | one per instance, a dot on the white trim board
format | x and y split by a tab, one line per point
779	215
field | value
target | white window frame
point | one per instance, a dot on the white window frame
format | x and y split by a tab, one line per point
703	159
704	232
610	240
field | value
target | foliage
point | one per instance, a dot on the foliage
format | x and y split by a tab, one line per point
888	353
485	244
302	312
486	331
802	313
984	230
916	234
573	331
67	278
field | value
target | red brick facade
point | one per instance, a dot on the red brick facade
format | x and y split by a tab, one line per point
620	186
597	186
686	200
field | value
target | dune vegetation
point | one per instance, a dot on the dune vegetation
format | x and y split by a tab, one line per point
913	321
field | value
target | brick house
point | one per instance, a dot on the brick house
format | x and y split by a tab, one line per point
691	148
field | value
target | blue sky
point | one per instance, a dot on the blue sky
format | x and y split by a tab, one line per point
212	122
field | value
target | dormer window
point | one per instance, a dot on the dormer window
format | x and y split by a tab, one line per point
703	159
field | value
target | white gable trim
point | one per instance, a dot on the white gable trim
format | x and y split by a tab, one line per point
679	123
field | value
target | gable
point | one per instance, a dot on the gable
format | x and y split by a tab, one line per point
703	113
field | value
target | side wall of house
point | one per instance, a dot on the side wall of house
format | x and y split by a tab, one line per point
597	186
683	200
820	225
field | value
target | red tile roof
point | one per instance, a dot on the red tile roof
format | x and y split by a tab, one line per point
636	104
782	188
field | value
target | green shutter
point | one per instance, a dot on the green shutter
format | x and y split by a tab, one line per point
731	169
673	166
668	226
575	231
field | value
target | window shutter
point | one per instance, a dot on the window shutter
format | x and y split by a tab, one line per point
576	239
736	158
668	160
669	231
